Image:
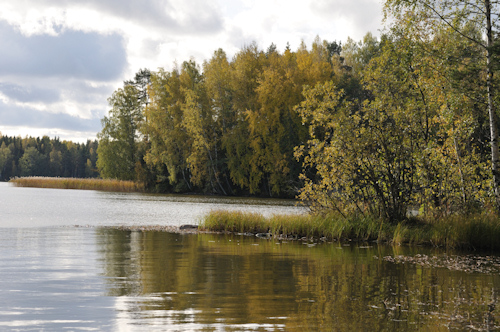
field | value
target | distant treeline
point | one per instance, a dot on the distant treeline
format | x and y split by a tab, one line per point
44	156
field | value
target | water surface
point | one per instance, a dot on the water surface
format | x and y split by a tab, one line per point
104	279
36	207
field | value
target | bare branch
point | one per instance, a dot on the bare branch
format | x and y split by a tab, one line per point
453	27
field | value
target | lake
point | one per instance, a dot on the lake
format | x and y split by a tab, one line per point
60	270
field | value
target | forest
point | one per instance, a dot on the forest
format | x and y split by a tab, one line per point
44	156
407	121
229	128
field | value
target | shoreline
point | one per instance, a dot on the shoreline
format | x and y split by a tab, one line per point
474	231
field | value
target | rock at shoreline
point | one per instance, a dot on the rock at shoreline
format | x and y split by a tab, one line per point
188	227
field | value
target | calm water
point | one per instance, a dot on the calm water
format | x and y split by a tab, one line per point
34	207
58	277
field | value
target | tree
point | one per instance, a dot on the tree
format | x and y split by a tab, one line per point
356	55
459	16
30	162
245	70
199	121
117	141
409	139
5	158
141	82
363	159
55	158
169	142
217	78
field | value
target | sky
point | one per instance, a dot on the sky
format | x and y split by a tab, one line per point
62	59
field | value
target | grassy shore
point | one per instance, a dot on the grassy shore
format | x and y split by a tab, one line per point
74	183
470	232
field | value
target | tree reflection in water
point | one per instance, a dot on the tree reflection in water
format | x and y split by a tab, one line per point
215	282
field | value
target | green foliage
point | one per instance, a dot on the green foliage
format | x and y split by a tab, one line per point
453	47
363	158
414	137
5	157
29	161
46	157
169	142
118	139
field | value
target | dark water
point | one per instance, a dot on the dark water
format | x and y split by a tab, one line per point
77	278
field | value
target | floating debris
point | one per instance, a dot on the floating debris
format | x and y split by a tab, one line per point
463	263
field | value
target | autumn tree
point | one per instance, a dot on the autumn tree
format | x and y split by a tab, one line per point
200	122
246	67
463	19
408	139
275	127
169	141
363	158
217	77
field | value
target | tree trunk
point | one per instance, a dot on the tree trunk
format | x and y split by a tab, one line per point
491	109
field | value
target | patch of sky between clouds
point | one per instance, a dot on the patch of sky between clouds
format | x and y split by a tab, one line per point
74	54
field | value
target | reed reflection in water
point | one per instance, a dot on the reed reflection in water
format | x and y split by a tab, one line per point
212	282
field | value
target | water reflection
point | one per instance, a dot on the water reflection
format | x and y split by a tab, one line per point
211	282
50	282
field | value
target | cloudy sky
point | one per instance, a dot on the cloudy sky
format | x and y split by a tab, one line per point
61	59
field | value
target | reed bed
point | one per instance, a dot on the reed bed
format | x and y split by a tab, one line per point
75	183
475	231
481	231
331	226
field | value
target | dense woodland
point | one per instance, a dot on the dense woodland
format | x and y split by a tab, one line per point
228	127
46	157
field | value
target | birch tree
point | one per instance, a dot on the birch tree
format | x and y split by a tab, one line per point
459	16
117	140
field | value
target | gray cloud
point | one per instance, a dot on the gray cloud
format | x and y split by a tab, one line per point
29	93
194	16
71	54
27	117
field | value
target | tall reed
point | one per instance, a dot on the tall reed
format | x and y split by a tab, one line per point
330	226
75	183
479	231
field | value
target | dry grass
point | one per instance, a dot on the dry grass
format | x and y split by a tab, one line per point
479	231
74	183
330	226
